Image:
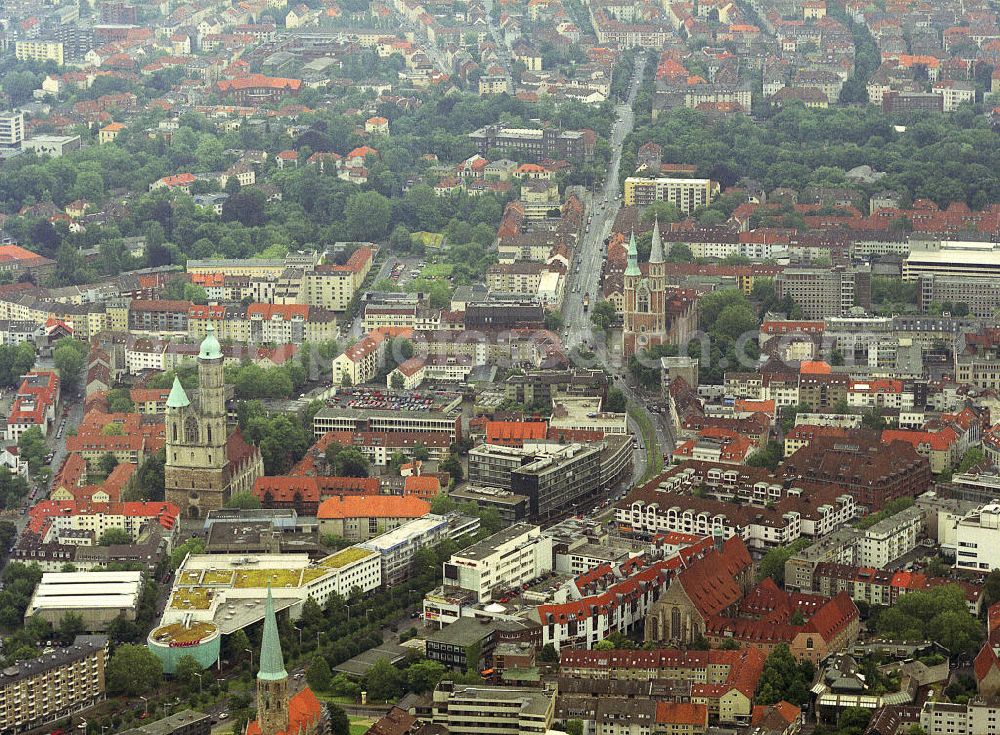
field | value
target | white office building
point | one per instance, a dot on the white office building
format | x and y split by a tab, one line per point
11	129
977	539
507	559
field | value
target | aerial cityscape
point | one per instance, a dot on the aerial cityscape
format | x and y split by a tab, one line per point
499	367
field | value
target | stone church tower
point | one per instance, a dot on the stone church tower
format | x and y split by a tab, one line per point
197	473
277	712
644	314
272	679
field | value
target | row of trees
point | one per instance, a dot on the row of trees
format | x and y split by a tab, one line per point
945	158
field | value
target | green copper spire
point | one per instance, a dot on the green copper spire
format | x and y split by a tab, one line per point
210	348
272	665
177	398
632	269
656	251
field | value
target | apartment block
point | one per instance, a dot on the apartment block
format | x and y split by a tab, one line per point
397	547
687	194
824	292
552	475
11	129
39	51
40	691
535	143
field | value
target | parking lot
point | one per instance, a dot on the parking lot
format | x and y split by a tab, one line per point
386	400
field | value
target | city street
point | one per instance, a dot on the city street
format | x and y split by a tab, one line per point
585	273
585	278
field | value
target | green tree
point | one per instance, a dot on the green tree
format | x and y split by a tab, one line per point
32	449
191	546
616	401
122	630
119	401
423	676
107	463
346	461
398	381
115	536
453	466
368	215
972	457
133	670
602	315
548	654
68	356
783	678
991	590
939	614
340	724
318	674
70	626
186	670
384	681
770	456
772	564
243	501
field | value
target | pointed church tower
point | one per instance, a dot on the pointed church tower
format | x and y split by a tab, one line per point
196	474
272	679
657	275
632	267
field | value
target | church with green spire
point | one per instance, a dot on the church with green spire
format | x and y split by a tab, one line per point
206	463
644	302
277	712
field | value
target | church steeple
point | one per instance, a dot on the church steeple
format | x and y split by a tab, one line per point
272	679
656	251
272	663
632	268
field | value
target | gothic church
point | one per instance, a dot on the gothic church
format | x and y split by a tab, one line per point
206	463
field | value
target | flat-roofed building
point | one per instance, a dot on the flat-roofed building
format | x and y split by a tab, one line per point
228	590
52	145
687	194
98	597
470	709
43	690
187	722
508	558
397	547
969	259
11	129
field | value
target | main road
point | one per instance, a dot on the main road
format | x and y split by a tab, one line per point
585	272
585	277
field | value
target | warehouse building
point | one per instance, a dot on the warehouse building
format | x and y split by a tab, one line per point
98	597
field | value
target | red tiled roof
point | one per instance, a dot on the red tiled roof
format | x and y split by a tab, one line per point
506	431
423	486
288	489
259	81
710	581
304	710
681	713
285	311
381	506
938	441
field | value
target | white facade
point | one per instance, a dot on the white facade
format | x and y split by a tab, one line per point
11	129
506	559
891	538
977	540
978	717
